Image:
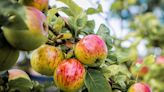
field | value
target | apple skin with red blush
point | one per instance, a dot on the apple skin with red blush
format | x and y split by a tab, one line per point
69	76
139	87
91	50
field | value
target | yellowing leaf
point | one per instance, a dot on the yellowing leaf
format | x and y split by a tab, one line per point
76	10
64	36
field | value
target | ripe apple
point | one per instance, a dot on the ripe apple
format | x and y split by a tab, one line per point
39	4
45	59
139	69
33	37
139	87
160	60
69	75
17	73
91	50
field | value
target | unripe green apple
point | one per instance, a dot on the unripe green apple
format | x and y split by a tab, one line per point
17	73
45	59
91	50
69	75
8	54
33	37
39	4
139	87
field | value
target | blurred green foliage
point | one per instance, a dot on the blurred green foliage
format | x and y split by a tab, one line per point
145	19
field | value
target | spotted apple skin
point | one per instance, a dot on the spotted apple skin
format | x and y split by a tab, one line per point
139	87
69	75
45	59
91	50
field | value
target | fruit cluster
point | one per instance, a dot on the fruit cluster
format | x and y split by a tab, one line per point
69	74
64	48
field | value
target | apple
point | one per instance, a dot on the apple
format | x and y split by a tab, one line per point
31	38
91	50
45	59
139	87
160	60
139	69
69	75
17	73
39	4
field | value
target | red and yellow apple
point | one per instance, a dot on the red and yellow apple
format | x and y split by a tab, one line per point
91	50
69	75
45	59
31	38
139	87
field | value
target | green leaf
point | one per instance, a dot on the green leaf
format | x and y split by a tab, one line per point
89	27
75	9
91	24
51	17
127	55
59	23
37	87
94	11
22	84
114	70
7	7
119	74
66	10
96	82
104	32
81	21
118	5
16	23
15	14
111	58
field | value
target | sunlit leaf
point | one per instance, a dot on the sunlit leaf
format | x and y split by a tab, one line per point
51	15
89	28
58	24
94	11
104	32
66	10
75	9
